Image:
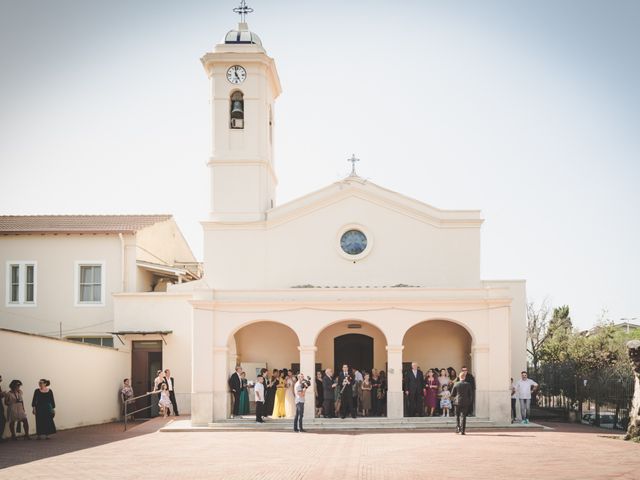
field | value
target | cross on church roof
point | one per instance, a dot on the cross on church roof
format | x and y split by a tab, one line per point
243	10
353	161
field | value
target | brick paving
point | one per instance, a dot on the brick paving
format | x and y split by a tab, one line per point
105	452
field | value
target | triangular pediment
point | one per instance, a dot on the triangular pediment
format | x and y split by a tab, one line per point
357	187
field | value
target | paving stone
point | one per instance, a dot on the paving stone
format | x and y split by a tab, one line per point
106	452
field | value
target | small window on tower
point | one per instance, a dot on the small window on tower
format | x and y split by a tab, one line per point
237	110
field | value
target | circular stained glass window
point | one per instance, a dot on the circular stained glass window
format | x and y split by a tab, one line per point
353	242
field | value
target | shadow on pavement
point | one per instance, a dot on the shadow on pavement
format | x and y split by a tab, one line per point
17	452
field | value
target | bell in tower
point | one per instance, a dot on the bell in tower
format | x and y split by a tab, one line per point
237	110
244	86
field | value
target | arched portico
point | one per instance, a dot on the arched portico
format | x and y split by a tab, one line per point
436	344
326	343
261	344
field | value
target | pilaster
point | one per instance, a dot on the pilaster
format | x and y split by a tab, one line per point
307	367
395	399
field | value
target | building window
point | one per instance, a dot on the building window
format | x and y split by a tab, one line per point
237	110
21	283
89	283
102	341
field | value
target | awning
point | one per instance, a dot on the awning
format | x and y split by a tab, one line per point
124	333
167	270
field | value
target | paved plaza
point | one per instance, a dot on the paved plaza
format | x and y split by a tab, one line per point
106	452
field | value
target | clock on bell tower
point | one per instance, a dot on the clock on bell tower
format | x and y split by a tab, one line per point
244	86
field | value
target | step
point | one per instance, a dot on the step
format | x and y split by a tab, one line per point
347	424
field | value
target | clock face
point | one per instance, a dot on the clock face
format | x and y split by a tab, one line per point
353	242
236	74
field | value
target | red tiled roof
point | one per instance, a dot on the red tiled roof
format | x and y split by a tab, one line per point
77	223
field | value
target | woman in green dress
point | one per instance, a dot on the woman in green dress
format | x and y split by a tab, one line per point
244	396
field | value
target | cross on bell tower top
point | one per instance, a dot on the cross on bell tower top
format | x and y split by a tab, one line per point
243	10
353	161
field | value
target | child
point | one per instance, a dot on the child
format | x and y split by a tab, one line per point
165	401
445	400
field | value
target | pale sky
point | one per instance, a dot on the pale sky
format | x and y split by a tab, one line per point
526	110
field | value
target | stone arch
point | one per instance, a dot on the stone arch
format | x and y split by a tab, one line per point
438	342
264	341
324	340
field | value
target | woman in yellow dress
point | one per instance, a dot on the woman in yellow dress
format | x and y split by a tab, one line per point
278	404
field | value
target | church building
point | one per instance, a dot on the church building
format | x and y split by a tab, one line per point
325	279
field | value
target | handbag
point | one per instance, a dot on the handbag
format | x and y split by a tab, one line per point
52	412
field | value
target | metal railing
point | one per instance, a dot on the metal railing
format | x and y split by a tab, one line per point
132	400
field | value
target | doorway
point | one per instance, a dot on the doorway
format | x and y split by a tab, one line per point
146	360
354	349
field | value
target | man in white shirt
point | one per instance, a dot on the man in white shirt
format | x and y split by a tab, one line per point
524	388
259	393
300	391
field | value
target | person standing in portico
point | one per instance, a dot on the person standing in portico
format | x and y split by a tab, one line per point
235	384
414	383
328	395
260	398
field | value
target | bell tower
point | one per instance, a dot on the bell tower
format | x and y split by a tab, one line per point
244	86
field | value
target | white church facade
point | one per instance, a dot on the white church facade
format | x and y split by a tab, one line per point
352	273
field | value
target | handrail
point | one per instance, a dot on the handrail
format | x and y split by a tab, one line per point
132	400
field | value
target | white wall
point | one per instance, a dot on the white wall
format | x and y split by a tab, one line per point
266	342
56	282
438	343
160	311
304	249
85	379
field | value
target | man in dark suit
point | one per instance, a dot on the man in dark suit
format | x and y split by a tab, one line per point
328	388
471	381
345	384
413	385
235	384
462	396
171	385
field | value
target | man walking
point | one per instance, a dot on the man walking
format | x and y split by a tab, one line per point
524	388
168	379
462	395
471	381
328	394
259	393
300	391
235	384
413	385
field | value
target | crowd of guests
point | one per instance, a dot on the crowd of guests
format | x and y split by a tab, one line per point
350	392
43	407
347	393
430	394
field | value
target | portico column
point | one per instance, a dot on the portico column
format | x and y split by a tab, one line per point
202	361
480	370
395	399
308	367
221	396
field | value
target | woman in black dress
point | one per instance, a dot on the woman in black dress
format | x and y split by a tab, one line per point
270	387
44	409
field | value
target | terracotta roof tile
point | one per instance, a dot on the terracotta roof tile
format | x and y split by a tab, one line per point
77	223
